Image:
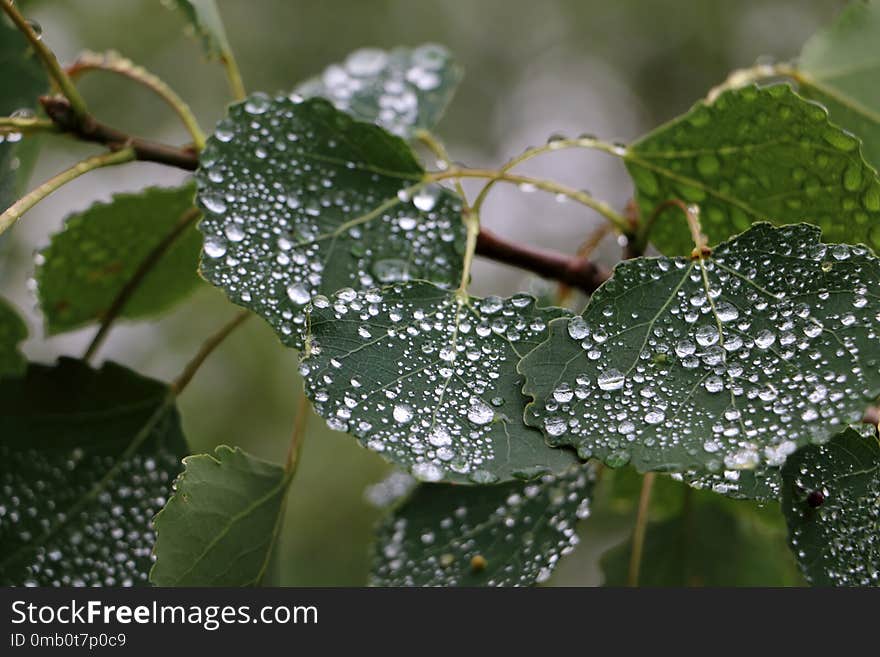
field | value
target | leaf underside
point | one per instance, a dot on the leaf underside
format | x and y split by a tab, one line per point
727	363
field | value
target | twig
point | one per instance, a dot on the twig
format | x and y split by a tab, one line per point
638	539
179	384
299	430
584	251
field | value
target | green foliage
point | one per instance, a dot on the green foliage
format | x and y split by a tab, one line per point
221	504
98	252
506	535
203	19
427	378
300	200
90	455
13	330
831	499
755	155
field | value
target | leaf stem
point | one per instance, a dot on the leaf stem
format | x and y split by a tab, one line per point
638	539
16	125
137	278
692	215
439	150
61	79
113	62
17	209
233	75
182	381
296	438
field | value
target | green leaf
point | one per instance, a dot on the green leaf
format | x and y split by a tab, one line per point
713	542
87	264
428	379
831	499
403	90
13	330
204	20
840	66
506	535
22	80
219	527
727	363
89	456
300	199
762	484
755	155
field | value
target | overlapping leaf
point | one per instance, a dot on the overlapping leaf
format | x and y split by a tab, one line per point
756	155
219	527
762	484
300	199
831	499
12	331
506	535
727	363
840	66
402	90
428	379
203	18
87	265
87	458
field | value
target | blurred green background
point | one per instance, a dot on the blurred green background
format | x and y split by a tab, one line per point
615	69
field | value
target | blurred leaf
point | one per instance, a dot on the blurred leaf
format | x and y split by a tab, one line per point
13	330
86	459
506	535
428	380
755	155
402	90
713	542
840	67
723	363
22	80
207	25
87	264
219	527
619	489
831	499
300	199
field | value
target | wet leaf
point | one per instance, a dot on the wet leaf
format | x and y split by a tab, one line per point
840	66
300	199
762	484
727	363
87	264
831	499
428	379
13	330
756	155
712	542
219	527
506	535
401	90
203	18
87	458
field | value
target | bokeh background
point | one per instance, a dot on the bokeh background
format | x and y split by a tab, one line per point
612	68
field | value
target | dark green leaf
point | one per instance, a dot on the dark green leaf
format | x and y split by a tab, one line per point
726	363
402	90
755	155
300	199
428	379
507	535
831	499
219	527
840	67
97	253
762	484
13	330
204	20
87	457
713	542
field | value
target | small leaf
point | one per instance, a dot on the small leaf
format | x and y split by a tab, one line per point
402	90
727	363
86	459
13	330
428	379
713	542
219	527
839	67
507	535
22	80
300	199
206	24
87	264
831	500
756	155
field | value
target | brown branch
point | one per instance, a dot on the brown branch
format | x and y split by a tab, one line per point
872	416
575	271
88	128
